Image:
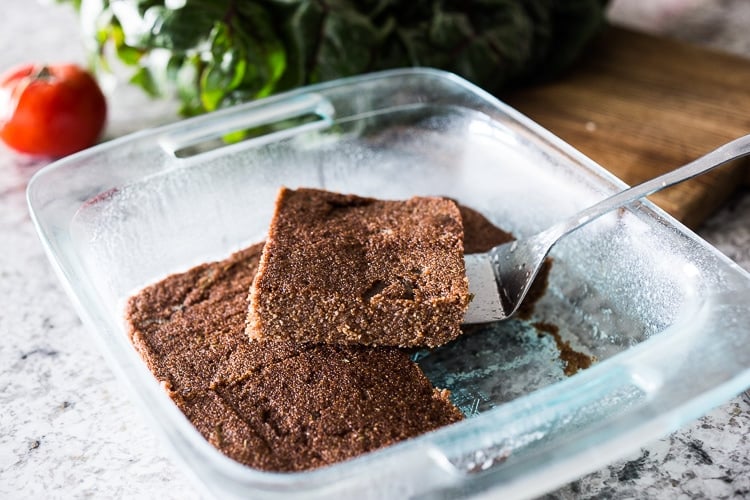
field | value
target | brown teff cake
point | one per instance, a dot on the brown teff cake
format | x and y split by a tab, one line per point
274	406
278	406
342	269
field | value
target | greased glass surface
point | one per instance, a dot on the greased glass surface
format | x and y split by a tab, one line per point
664	314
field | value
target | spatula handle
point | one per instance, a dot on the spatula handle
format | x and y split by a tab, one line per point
730	151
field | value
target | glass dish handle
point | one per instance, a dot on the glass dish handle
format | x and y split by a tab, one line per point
253	123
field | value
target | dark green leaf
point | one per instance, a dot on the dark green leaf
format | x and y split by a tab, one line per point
346	45
301	27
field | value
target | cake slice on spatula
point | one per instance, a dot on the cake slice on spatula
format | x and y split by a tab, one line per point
345	269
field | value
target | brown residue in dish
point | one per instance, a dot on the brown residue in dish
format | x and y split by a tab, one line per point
572	359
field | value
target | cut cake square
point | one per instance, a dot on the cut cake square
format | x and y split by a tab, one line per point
345	269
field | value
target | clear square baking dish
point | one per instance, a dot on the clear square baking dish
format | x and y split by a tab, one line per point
664	314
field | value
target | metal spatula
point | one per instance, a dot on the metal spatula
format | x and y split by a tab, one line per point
500	278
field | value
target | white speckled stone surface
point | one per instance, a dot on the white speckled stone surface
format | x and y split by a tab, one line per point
68	431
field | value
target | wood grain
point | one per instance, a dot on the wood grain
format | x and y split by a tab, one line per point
641	105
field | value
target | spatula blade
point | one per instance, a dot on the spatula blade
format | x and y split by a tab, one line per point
485	304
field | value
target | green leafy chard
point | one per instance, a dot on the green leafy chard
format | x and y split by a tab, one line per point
215	53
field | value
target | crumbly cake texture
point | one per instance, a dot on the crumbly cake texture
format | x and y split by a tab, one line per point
274	406
343	269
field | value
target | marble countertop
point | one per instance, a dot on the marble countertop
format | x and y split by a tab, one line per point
67	430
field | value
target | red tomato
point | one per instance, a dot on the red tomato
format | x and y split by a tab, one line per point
50	110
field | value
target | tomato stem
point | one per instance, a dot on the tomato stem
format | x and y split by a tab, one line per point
43	74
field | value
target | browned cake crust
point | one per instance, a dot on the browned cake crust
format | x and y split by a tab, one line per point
342	269
274	405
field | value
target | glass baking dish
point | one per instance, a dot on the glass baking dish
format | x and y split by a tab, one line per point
665	315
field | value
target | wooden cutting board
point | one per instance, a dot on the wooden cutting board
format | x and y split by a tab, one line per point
640	105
